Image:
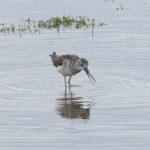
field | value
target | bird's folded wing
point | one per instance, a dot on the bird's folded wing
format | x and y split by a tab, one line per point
71	58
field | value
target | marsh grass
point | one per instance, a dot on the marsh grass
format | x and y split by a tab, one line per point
54	23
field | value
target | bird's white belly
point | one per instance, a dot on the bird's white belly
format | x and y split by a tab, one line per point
67	71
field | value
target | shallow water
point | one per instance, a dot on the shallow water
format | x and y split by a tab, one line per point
35	110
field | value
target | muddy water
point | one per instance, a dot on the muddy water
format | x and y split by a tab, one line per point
36	112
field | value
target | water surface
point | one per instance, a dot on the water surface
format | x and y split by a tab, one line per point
36	112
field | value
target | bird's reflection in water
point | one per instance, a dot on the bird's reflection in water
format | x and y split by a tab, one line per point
73	107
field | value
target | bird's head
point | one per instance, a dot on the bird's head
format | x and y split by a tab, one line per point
83	64
53	55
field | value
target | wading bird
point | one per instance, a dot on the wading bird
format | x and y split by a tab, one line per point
69	65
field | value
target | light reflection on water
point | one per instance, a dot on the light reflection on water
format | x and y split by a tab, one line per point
71	106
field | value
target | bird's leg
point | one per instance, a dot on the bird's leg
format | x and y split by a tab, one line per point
69	81
65	93
65	82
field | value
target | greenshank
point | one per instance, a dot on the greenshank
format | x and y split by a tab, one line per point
69	65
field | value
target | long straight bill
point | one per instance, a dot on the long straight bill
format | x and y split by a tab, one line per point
89	75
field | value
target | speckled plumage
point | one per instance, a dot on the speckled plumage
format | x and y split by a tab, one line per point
69	65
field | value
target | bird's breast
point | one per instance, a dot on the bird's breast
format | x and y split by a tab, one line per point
67	71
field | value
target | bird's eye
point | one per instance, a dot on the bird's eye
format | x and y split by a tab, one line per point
81	64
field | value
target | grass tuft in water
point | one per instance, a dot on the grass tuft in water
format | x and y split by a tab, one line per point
54	23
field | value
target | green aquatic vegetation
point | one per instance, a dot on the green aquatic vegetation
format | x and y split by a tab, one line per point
67	21
81	22
56	23
12	28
